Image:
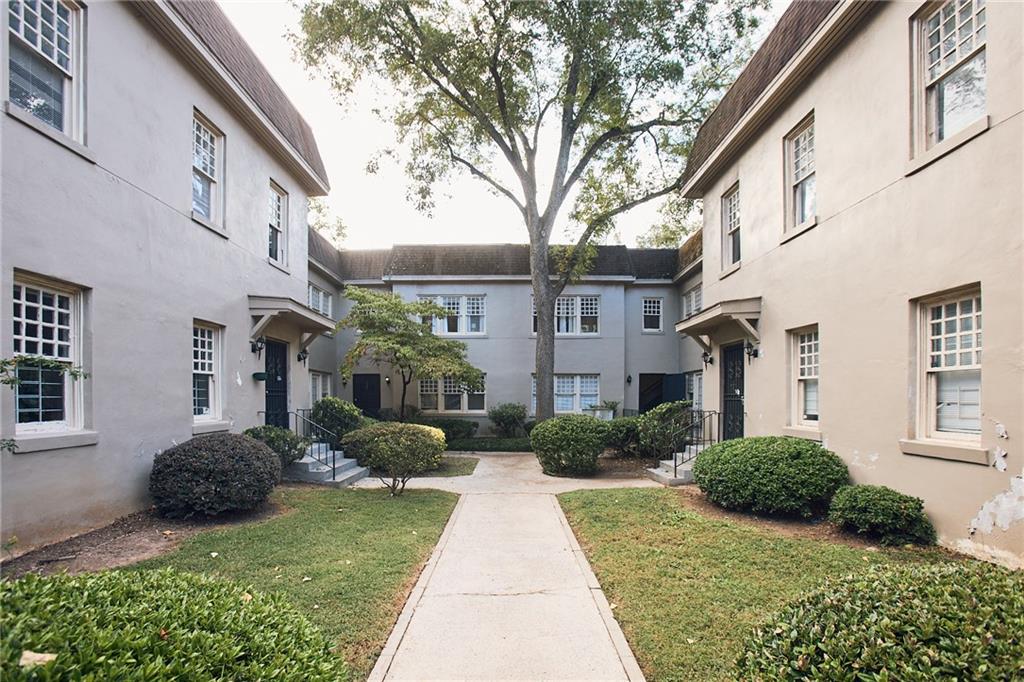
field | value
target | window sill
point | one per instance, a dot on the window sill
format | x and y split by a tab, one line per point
729	270
454	413
469	335
806	432
655	332
16	112
948	145
54	441
280	267
796	231
960	452
210	427
217	229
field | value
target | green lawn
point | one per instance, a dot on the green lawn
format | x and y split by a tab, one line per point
455	466
360	550
687	589
490	445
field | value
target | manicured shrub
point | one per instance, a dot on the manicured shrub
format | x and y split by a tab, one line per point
454	428
285	442
337	416
520	444
624	436
390	414
962	621
662	430
212	474
883	513
156	625
528	426
396	451
508	419
570	444
770	475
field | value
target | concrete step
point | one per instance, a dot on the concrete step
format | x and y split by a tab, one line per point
668	474
310	470
309	463
349	477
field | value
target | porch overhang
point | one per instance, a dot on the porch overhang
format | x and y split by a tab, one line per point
266	309
744	312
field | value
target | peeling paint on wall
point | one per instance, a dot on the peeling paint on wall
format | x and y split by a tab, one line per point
238	378
999	459
868	461
1003	510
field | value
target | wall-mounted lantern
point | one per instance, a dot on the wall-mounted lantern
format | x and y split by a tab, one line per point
387	380
751	351
257	345
629	379
303	355
707	359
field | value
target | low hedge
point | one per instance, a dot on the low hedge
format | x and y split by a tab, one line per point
883	513
962	621
509	419
454	429
490	445
396	451
569	444
770	475
156	625
624	436
337	416
285	442
211	474
661	430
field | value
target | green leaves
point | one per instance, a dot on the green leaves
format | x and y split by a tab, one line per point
569	444
883	513
395	451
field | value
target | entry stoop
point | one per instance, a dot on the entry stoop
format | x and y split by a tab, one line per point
667	474
311	468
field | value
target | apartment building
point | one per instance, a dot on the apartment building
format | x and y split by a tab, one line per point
154	190
614	335
862	191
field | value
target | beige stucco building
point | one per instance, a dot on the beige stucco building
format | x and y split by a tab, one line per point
862	189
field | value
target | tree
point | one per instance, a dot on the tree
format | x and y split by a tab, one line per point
320	219
679	219
605	95
398	333
9	377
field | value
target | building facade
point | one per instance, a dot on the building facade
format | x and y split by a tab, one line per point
154	236
862	192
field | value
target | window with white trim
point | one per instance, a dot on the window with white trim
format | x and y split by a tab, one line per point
573	392
574	315
806	364
207	145
801	167
45	325
695	389
952	366
319	386
321	301
278	216
466	314
652	314
45	74
205	370
453	398
952	67
731	226
693	301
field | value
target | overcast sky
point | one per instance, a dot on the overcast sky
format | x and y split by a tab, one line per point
374	206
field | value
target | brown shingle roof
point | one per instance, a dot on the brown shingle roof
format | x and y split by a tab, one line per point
217	33
691	250
795	26
653	263
491	259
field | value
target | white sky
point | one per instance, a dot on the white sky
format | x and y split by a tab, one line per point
374	206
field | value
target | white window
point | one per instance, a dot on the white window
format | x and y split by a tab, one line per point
565	315
731	226
652	314
428	394
806	347
206	164
321	301
574	315
693	301
952	362
45	62
695	389
953	73
205	360
45	325
278	235
454	396
466	314
319	386
476	314
802	197
573	392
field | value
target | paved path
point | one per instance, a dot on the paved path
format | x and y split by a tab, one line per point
507	593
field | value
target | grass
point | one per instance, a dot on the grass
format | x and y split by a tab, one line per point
454	466
360	550
687	589
490	445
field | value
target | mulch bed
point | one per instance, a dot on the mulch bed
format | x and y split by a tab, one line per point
611	466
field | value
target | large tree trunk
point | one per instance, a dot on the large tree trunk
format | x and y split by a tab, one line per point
544	299
405	388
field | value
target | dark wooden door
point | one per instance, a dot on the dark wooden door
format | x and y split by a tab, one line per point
366	393
651	386
732	392
277	383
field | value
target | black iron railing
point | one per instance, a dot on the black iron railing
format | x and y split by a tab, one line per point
703	430
316	436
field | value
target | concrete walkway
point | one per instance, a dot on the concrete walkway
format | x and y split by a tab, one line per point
507	593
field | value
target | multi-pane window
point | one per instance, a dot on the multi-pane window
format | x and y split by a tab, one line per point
204	168
428	394
693	301
573	392
807	363
278	216
574	315
565	315
204	371
43	326
953	364
43	39
731	226
953	38
652	314
695	389
476	313
319	386
454	396
465	314
802	173
320	300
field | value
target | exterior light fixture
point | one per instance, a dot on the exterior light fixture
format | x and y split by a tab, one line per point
303	355
629	378
257	345
387	380
707	359
751	351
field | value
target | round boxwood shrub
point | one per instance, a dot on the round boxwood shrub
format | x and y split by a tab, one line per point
624	436
962	621
396	451
337	416
212	474
662	430
883	513
148	625
770	475
569	444
508	419
285	442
